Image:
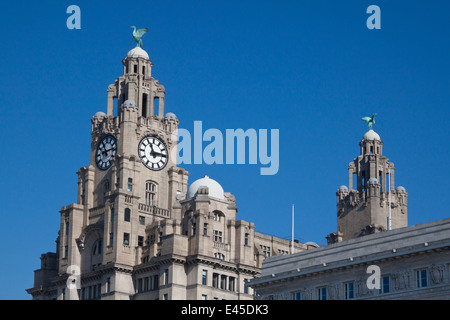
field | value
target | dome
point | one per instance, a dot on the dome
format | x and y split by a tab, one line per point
129	104
171	116
371	135
373	181
99	115
401	189
215	189
137	52
343	189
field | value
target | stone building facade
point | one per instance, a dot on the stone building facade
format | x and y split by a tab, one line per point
138	230
370	256
412	263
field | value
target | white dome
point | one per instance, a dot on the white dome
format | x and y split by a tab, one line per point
170	116
138	52
373	181
99	115
401	189
343	189
129	104
371	135
215	189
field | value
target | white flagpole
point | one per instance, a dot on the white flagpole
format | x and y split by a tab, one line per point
292	242
389	226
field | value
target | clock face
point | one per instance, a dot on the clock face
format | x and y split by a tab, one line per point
153	153
106	151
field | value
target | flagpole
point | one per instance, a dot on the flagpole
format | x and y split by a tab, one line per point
389	226
292	242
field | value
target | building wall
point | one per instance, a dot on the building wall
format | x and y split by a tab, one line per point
399	254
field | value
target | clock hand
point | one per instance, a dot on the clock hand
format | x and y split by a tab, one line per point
159	154
153	151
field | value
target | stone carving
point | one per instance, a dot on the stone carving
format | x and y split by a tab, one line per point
362	288
307	294
437	273
371	229
334	292
402	280
92	227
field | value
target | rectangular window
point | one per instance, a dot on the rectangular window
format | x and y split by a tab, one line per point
130	184
385	285
145	284
139	286
112	214
166	276
297	295
99	290
135	68
140	241
144	101
422	278
246	239
204	277
349	290
215	282
108	285
322	293
166	296
126	239
67	228
231	283
111	238
217	236
100	246
142	220
203	296
223	282
205	229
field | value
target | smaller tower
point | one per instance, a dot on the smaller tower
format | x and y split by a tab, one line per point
363	206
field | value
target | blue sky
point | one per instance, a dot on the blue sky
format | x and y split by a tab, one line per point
311	69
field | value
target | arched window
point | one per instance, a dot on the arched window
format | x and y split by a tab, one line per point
219	255
218	216
150	193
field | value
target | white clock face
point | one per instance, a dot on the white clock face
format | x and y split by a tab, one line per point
106	151
153	153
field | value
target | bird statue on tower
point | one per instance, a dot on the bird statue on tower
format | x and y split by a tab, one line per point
138	34
370	120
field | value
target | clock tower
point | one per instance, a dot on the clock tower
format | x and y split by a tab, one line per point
132	179
137	231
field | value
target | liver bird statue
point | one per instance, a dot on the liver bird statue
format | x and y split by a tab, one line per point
138	34
370	120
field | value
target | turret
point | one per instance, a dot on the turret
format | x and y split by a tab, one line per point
363	206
